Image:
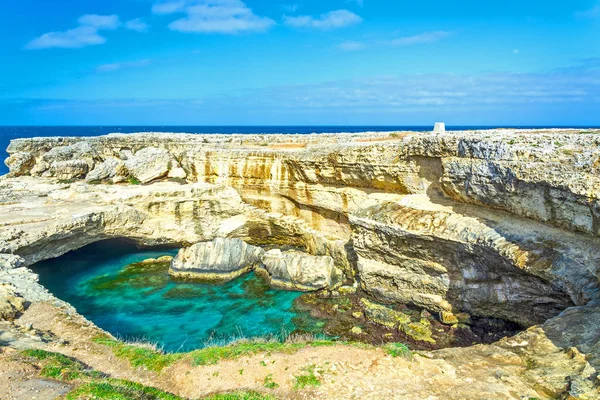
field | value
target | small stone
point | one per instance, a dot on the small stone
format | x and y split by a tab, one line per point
448	318
357	330
357	314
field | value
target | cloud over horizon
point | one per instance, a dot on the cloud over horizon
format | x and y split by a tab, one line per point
516	98
213	16
123	65
330	20
426	37
86	34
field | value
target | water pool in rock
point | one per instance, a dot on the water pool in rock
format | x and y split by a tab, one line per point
132	301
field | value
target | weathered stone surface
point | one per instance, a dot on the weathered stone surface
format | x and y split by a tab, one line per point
149	164
73	169
300	271
111	167
219	260
20	164
501	223
463	258
60	218
10	303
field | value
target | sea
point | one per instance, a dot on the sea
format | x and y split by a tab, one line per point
8	133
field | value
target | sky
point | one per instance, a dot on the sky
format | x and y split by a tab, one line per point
303	62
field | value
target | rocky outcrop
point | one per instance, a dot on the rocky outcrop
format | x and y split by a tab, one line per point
149	164
220	260
112	169
501	223
300	271
11	304
439	258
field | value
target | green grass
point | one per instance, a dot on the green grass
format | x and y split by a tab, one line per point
117	389
92	384
57	366
140	356
212	355
243	395
133	181
269	383
398	350
308	378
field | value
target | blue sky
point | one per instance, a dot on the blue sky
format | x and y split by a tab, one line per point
249	62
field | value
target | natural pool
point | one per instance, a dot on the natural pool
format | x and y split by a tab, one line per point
142	301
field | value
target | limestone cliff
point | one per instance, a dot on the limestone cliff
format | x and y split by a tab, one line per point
501	223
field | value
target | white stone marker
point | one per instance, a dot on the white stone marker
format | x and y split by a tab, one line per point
440	127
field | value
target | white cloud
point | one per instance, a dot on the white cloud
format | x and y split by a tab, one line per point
86	34
136	25
351	46
516	51
122	65
427	37
330	20
109	22
593	12
213	16
72	39
169	7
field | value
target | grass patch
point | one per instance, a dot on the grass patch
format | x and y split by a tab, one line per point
58	366
212	355
140	355
308	378
398	350
243	395
95	385
269	383
65	181
117	389
133	181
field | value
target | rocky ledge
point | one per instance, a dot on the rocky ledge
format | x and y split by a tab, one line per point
498	223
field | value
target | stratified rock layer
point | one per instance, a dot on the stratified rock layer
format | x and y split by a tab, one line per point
501	223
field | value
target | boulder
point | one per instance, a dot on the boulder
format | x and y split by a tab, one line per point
73	169
10	261
66	162
20	163
149	164
220	260
11	304
109	169
300	271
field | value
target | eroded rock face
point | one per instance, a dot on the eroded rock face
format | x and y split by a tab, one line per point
496	223
219	260
300	271
112	168
440	259
149	164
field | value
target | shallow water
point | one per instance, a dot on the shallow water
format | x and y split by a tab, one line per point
143	302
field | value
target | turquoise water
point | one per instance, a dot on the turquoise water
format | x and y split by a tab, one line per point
145	303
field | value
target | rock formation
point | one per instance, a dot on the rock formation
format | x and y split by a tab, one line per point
220	260
500	223
300	271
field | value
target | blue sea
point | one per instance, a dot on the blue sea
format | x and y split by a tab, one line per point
7	133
